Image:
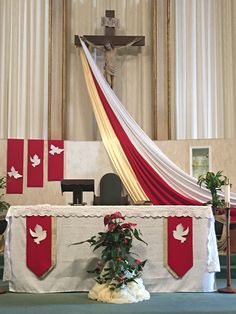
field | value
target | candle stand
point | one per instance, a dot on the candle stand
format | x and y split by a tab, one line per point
228	288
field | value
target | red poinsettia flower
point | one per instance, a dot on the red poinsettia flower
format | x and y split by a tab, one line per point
126	240
137	262
128	225
117	215
111	226
106	219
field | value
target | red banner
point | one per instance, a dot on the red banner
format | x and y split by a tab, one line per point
39	244
35	163
15	153
55	160
179	245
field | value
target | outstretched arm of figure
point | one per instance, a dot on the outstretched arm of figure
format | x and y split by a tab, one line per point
135	40
90	43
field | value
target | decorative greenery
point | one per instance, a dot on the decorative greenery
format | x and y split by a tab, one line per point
3	204
117	266
213	182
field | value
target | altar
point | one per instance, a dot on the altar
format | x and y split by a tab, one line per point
78	223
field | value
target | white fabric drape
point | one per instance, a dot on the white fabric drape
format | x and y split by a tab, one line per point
205	68
175	177
133	79
23	68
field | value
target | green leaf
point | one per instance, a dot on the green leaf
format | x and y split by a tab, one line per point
136	234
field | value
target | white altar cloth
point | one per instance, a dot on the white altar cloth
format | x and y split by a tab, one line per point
78	223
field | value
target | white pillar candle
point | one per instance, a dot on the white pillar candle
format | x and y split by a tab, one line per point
227	192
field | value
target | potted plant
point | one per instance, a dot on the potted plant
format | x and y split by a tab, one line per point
213	182
118	273
3	204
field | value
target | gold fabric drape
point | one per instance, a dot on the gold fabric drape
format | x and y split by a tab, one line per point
110	140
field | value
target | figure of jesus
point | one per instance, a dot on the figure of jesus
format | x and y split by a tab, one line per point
110	56
110	67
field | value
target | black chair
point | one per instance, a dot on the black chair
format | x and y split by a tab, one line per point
111	190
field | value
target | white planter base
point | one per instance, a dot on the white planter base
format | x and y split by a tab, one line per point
133	292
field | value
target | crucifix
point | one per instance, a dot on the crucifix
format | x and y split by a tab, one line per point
109	41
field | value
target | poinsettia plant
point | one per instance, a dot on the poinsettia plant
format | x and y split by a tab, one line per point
117	266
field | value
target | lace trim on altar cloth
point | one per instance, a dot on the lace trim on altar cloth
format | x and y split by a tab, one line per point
99	211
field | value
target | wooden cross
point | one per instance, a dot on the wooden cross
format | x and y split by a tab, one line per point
109	41
110	36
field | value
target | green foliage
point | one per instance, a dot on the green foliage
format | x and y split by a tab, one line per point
117	266
213	182
3	205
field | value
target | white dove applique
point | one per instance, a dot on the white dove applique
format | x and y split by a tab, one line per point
35	161
180	234
14	173
55	150
39	234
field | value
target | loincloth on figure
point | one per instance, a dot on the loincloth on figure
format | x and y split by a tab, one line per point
110	67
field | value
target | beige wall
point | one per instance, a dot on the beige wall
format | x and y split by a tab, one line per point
89	160
223	155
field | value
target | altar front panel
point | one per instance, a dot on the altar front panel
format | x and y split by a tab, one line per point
76	224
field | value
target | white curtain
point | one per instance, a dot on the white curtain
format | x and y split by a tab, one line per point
133	79
205	69
23	68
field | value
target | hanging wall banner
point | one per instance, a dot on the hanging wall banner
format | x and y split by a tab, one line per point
179	245
15	153
35	163
40	244
55	160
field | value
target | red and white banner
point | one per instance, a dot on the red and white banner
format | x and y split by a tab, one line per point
179	250
15	153
55	160
40	257
35	163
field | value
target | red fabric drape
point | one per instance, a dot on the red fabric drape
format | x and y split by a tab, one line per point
35	163
180	248
39	244
55	160
158	191
15	153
